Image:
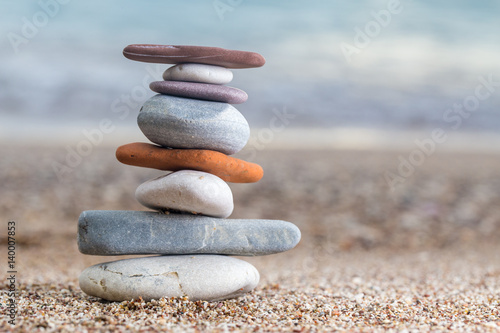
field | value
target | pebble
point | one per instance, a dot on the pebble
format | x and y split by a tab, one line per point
199	277
229	169
188	191
203	91
198	73
120	232
177	122
176	54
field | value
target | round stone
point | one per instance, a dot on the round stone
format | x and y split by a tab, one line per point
188	191
121	232
204	91
177	122
225	167
198	73
199	277
177	54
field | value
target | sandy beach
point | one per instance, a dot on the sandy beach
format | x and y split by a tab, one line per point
420	256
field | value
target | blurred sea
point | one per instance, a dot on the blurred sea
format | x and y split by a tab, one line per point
71	73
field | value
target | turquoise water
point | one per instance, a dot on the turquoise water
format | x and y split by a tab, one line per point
429	56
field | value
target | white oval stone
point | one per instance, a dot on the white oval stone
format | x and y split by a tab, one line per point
198	73
188	191
199	277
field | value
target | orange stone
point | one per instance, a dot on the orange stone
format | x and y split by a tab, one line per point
225	167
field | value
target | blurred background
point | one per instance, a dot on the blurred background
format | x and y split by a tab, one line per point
355	85
334	65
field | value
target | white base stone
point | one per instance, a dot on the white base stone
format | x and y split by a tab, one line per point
199	277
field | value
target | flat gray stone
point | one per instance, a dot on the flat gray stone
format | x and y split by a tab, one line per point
118	232
203	91
199	277
188	191
198	73
177	122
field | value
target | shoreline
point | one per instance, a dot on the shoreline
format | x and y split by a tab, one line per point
339	138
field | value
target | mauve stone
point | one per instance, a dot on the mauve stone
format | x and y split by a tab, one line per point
176	122
199	277
198	73
204	91
188	191
176	54
120	232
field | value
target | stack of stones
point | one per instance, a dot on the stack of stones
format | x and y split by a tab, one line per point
195	129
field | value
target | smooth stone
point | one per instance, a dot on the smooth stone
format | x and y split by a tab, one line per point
176	122
176	54
200	277
189	191
108	232
198	73
204	91
227	168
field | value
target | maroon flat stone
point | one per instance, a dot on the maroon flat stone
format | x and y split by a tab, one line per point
176	54
206	91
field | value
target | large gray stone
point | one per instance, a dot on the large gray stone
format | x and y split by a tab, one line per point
200	277
178	122
108	232
189	191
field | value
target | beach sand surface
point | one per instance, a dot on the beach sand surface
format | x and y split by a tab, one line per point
421	255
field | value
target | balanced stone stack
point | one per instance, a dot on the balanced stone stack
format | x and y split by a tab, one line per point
194	128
